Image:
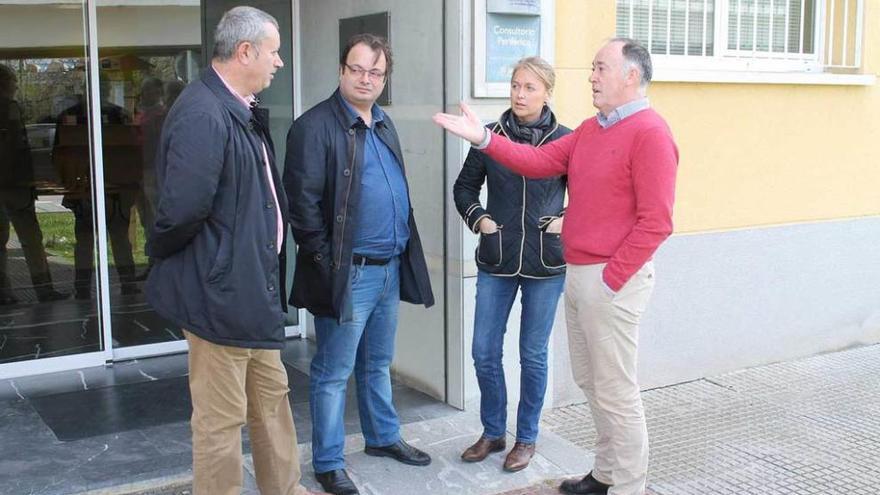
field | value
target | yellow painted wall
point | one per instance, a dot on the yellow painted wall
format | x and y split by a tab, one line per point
751	154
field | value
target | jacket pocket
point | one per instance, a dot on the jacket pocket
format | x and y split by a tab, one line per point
222	260
489	250
312	283
551	251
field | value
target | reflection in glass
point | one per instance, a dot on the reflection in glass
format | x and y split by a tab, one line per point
147	55
277	98
42	79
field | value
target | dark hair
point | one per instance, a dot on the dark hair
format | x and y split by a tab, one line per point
636	55
7	77
376	43
152	83
173	89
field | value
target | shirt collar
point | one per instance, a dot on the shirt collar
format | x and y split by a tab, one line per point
377	113
247	101
622	112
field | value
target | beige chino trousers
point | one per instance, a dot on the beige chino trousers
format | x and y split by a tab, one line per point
231	386
603	334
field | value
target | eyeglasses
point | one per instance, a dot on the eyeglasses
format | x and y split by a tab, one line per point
375	75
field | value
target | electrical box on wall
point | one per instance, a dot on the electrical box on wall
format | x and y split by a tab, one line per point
504	32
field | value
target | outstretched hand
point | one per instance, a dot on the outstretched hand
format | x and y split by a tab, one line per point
466	126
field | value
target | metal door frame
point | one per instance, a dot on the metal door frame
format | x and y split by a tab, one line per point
110	353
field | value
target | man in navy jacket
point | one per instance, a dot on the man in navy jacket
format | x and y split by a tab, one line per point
218	241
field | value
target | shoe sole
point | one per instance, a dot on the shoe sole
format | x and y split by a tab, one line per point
491	451
325	490
513	470
381	453
349	492
570	492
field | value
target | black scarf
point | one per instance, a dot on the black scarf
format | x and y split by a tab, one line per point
528	132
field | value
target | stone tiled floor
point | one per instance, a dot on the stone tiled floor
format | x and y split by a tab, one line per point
444	438
800	427
545	488
550	487
810	426
131	456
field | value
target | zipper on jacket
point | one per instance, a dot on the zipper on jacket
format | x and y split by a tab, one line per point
522	243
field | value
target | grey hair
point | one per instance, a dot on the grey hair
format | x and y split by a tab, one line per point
239	25
635	55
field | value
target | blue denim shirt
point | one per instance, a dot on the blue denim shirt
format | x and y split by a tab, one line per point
622	112
382	218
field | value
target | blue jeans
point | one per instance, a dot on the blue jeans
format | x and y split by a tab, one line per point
366	345
495	296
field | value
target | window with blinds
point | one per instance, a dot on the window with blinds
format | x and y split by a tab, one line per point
771	26
669	27
824	33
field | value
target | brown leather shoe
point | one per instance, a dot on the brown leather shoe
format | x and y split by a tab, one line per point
519	456
480	450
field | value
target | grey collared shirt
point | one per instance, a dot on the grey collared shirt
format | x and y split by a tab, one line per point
622	112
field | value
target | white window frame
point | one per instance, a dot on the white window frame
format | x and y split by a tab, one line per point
485	89
747	66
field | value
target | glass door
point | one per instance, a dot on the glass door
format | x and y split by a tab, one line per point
147	54
46	231
84	89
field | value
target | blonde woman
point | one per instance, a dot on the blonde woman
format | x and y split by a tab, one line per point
519	251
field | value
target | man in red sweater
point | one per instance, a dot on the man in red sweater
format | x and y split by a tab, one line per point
621	168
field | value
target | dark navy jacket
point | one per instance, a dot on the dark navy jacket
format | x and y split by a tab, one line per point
322	176
217	271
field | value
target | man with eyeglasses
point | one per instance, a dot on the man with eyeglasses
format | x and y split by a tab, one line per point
359	255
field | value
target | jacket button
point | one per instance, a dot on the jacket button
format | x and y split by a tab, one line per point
269	205
346	172
351	132
271	245
338	218
270	287
318	256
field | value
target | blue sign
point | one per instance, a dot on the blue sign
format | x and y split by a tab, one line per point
508	39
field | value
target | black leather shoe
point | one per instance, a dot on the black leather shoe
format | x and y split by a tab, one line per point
402	452
337	482
584	486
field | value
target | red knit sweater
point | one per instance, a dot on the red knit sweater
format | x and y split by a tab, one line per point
621	183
